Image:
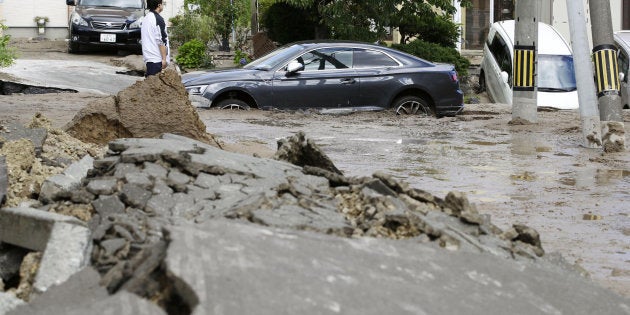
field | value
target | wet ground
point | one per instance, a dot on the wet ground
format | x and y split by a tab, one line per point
540	175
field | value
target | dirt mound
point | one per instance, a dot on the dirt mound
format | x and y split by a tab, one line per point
159	104
28	167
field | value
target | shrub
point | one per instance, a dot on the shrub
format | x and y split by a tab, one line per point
436	53
7	54
241	58
189	26
192	54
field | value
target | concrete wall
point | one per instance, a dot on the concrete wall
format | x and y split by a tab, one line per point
560	19
18	15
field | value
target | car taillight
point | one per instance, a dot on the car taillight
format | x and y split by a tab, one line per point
454	76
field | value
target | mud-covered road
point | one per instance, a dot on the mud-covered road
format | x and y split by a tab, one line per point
539	175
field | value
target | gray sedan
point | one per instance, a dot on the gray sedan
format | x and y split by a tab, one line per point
337	75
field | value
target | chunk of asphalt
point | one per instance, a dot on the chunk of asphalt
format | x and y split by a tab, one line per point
8	302
61	185
18	131
82	294
64	241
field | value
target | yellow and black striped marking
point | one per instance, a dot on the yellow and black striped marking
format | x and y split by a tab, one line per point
524	66
606	70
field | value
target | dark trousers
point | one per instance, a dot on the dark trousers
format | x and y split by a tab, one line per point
153	68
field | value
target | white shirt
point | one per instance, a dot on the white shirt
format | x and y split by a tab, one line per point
154	35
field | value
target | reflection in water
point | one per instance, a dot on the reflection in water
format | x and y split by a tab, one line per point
524	144
590	177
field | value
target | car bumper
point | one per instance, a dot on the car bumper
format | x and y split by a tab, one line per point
451	106
128	39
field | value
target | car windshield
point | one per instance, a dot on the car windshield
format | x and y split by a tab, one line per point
274	58
137	4
556	73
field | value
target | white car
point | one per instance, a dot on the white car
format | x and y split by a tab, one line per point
555	75
622	40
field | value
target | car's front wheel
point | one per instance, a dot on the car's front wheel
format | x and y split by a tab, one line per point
412	105
232	103
74	48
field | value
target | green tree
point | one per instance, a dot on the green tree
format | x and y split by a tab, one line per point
7	53
368	20
226	14
190	25
286	23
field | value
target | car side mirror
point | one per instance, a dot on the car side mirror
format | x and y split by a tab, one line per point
505	76
622	76
70	2
294	66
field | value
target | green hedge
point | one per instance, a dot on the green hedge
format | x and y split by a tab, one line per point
436	53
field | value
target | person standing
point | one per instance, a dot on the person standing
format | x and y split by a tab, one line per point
155	46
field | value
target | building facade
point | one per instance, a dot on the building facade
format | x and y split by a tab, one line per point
19	16
476	20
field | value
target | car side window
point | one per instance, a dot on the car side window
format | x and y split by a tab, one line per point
364	58
623	62
501	53
326	59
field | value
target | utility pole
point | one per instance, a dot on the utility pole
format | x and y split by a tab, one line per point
607	76
524	91
587	96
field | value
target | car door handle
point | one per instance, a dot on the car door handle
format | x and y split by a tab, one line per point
348	81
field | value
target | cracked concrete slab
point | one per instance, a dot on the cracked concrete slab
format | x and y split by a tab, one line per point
82	294
237	268
64	241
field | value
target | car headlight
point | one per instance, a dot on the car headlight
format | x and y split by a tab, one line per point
196	89
137	23
76	19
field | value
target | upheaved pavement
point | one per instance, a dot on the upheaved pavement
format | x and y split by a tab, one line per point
198	230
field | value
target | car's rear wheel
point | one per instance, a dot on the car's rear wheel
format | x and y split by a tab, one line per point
412	105
232	103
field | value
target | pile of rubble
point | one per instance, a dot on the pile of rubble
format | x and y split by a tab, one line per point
138	204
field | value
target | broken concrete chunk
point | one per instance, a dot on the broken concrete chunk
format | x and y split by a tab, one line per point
68	251
8	302
65	242
19	131
61	185
134	195
102	186
30	228
299	151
